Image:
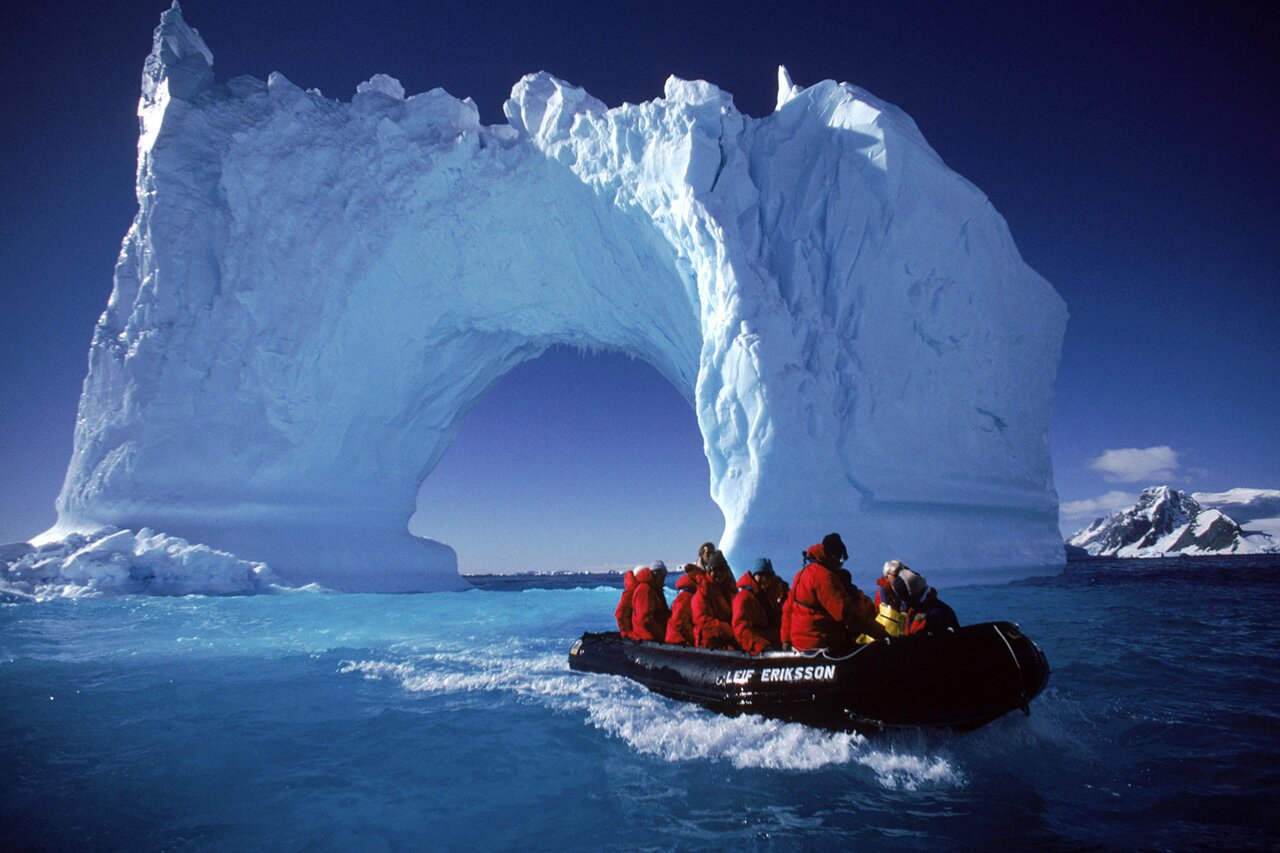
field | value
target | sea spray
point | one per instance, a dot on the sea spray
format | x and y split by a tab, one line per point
651	724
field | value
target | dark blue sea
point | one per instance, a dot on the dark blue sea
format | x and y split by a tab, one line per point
361	722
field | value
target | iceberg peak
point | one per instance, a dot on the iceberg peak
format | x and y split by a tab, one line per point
786	89
382	84
178	55
543	106
695	92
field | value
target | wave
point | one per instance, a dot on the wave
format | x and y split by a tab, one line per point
655	726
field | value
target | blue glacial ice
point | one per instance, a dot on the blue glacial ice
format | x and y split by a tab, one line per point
314	293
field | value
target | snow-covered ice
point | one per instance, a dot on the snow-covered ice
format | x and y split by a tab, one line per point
112	562
314	293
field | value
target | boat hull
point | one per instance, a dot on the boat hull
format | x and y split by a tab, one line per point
962	679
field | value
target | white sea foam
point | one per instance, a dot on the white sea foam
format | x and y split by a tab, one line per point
653	725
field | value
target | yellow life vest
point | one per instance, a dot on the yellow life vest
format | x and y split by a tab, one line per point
893	621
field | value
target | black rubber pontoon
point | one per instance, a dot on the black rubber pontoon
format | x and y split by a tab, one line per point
962	679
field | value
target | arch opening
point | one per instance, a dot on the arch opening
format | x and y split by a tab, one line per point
572	461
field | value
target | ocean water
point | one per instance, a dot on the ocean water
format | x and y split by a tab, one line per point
318	721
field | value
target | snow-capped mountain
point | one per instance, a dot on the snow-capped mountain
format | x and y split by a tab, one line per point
1256	510
1167	521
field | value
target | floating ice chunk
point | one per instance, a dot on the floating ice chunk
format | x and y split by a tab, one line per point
116	562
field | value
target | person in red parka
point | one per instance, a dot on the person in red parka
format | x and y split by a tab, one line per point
750	617
649	613
825	611
712	616
622	613
718	569
680	625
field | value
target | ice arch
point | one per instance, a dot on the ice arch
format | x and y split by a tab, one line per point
313	293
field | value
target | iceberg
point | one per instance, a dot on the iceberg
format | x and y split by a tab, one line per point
314	293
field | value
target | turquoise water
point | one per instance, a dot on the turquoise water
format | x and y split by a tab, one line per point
364	722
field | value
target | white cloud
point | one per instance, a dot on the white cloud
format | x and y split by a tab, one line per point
1137	465
1091	508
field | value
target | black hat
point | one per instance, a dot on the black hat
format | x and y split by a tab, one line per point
834	546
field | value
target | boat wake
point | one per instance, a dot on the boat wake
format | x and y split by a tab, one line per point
652	725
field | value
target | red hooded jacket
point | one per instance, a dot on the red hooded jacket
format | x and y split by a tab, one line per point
680	625
750	622
649	608
712	616
622	613
822	612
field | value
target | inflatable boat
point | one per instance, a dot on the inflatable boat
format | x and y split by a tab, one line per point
959	679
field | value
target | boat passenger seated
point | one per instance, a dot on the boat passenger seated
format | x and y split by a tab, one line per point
680	625
712	616
722	575
622	613
826	612
773	595
907	605
750	616
649	604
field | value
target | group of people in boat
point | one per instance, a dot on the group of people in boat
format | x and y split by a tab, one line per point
821	608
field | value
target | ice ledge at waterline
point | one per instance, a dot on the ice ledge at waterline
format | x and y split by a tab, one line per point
314	292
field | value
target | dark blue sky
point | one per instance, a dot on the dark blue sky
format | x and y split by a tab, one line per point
1131	147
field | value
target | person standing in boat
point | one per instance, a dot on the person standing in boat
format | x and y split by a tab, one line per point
826	611
649	612
750	615
680	625
622	613
712	615
705	550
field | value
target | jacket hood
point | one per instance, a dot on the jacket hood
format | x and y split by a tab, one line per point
688	582
747	582
649	576
820	555
629	579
